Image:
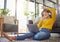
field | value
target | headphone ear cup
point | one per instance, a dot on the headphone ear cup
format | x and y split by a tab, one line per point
50	14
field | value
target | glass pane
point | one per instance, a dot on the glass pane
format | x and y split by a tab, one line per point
1	3
39	14
55	6
31	9
54	0
32	0
11	7
39	1
40	9
21	8
37	9
59	1
59	5
48	3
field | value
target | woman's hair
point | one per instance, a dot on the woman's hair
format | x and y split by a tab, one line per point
48	11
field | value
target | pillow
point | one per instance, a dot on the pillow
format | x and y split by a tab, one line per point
58	24
9	19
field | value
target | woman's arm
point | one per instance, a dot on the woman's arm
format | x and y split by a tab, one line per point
39	23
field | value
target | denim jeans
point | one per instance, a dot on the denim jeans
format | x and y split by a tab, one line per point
41	35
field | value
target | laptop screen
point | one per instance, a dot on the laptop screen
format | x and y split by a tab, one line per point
32	27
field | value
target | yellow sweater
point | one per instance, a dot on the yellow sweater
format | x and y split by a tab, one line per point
48	23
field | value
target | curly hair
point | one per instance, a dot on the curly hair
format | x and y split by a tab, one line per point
48	11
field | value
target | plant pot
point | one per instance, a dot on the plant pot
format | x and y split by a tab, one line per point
2	16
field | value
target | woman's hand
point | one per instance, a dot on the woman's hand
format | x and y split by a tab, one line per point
42	18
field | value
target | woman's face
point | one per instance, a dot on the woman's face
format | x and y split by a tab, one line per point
46	14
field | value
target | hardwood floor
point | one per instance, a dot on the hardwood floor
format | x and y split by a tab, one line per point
29	40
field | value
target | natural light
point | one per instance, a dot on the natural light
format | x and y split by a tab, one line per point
22	7
1	3
20	16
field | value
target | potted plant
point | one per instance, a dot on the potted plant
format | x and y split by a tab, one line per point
30	16
4	12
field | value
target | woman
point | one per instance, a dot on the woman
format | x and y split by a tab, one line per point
44	26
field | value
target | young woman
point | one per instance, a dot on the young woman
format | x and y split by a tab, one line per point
44	26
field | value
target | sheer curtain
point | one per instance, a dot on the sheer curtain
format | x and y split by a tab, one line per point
22	7
40	9
20	16
1	4
11	6
19	11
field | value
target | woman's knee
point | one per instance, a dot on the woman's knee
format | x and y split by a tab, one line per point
41	36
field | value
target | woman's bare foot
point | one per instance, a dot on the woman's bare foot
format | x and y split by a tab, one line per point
8	37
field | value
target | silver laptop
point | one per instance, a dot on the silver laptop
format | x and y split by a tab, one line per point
32	27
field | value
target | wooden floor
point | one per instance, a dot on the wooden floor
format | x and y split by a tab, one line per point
53	38
29	40
49	40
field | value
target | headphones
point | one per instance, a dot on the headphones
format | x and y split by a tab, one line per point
50	14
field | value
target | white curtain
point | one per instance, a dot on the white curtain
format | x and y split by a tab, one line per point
21	5
11	6
1	4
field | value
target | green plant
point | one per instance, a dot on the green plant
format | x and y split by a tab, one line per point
30	15
26	14
4	11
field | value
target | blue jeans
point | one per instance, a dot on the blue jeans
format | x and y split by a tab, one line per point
41	35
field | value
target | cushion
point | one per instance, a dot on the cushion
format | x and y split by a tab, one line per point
57	24
10	28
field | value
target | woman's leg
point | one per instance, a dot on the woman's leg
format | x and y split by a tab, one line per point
27	35
9	37
42	34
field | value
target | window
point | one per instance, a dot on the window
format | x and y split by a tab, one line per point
54	0
37	9
59	6
40	9
31	9
49	4
59	1
55	6
38	12
21	5
1	4
11	6
39	1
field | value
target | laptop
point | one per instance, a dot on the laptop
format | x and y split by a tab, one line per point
32	27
